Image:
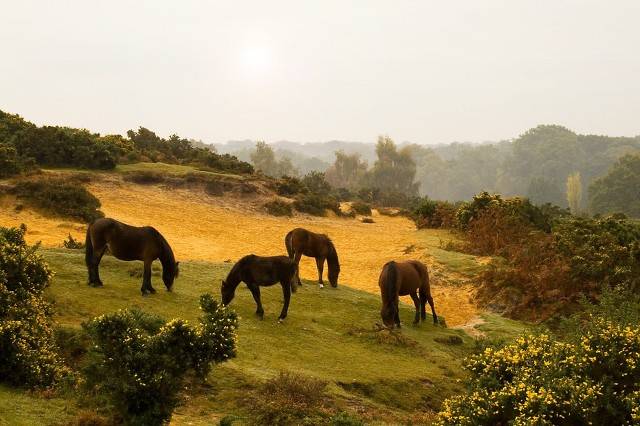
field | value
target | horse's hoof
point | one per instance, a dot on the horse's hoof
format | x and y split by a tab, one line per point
280	320
152	290
320	285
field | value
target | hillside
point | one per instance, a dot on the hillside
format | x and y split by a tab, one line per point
329	334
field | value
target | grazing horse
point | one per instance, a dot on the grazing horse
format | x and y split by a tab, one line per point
129	243
257	271
401	279
319	246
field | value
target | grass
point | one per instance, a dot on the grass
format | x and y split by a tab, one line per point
169	169
455	261
329	334
18	408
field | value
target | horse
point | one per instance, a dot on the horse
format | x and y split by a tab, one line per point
401	279
128	243
257	271
319	246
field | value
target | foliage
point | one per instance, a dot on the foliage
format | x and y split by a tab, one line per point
348	171
427	213
264	160
288	186
72	243
316	205
288	398
28	354
539	380
144	177
138	362
361	207
61	198
394	171
278	208
11	163
619	189
574	192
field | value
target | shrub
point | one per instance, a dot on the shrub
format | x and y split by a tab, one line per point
60	198
72	243
539	380
288	398
315	204
278	208
427	213
288	186
11	163
138	362
28	354
361	208
144	177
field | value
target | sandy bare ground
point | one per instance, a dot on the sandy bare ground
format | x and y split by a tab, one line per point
201	227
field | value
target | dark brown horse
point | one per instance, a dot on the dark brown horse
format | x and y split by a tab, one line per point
127	242
319	246
257	271
401	279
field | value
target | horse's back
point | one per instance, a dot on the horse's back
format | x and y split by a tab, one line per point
411	276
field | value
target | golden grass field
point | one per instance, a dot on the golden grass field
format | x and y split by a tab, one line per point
202	227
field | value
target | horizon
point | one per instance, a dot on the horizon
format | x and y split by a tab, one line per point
422	73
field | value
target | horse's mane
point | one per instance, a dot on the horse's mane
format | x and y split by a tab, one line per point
332	255
392	277
240	264
167	258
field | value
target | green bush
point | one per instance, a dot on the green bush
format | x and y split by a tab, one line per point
72	243
315	204
278	208
288	186
361	207
138	362
427	213
539	380
60	198
289	398
11	163
28	354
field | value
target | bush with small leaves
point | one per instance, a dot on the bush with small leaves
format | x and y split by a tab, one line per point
278	208
361	208
72	243
139	362
28	353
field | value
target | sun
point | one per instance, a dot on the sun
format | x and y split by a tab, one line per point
256	61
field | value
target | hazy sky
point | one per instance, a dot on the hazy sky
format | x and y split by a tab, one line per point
424	71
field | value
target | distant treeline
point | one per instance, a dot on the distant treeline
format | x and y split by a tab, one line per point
547	164
24	146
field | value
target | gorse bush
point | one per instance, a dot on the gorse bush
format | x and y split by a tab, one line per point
427	213
60	198
361	207
315	204
139	362
288	186
11	163
539	380
28	354
72	243
278	208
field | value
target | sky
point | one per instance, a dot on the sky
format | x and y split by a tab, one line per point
302	70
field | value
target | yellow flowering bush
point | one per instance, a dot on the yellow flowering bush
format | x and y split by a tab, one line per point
28	355
539	380
138	362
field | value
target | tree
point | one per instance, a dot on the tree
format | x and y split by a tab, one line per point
394	171
619	190
574	192
542	190
347	171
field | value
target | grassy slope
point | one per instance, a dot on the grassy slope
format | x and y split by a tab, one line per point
328	334
170	169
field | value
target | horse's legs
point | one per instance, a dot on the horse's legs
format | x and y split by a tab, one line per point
416	302
255	292
146	278
296	259
423	303
97	258
320	265
397	317
286	290
433	310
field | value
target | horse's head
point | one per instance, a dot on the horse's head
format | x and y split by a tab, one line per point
227	293
333	275
170	274
388	314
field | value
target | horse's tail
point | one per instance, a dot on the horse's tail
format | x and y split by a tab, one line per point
392	278
88	247
289	244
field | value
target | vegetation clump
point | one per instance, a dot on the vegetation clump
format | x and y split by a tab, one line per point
278	208
72	243
28	353
138	362
60	198
290	398
362	208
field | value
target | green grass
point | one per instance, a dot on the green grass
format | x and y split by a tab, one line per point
329	334
18	408
498	327
461	263
169	169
